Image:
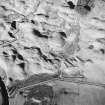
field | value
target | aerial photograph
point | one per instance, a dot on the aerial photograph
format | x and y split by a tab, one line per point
52	52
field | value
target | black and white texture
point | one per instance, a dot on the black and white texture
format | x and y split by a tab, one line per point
54	45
